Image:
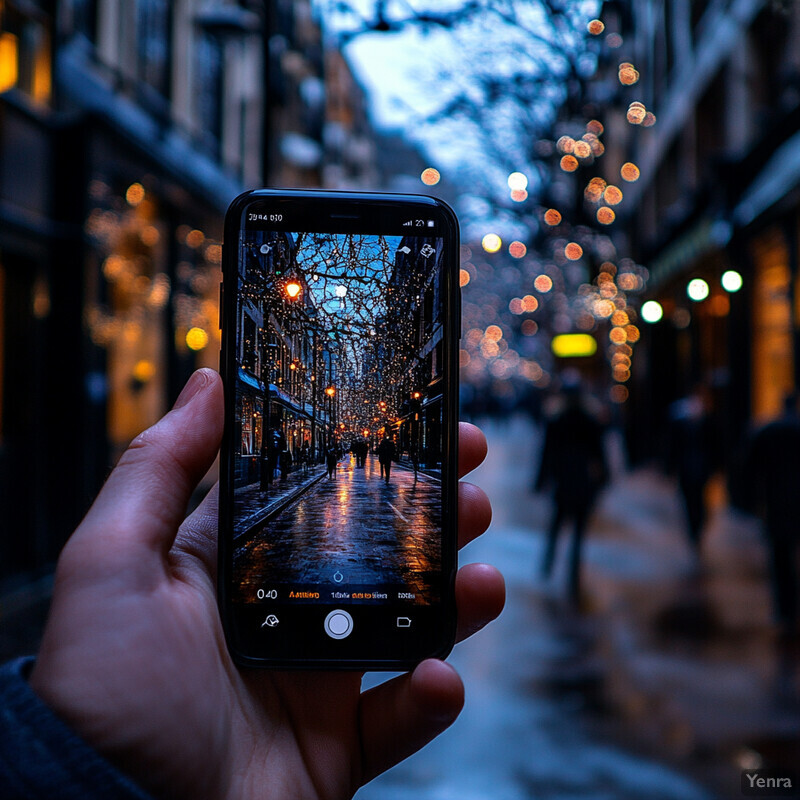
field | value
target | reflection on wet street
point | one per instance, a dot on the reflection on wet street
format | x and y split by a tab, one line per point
664	684
354	526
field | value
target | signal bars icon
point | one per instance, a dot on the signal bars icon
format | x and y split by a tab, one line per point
408	224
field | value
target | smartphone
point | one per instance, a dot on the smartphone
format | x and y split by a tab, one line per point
338	516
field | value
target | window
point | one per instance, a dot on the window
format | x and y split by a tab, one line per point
153	23
25	58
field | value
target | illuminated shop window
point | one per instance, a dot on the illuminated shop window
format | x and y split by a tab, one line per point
25	58
772	351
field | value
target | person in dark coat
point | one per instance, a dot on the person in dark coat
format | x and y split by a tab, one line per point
574	468
386	454
331	459
693	457
772	482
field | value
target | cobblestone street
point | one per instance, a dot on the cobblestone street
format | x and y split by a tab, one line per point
353	529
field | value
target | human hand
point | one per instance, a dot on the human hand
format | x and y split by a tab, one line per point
134	658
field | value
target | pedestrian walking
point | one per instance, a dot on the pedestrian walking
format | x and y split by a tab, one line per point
331	459
305	456
692	456
574	468
771	481
386	454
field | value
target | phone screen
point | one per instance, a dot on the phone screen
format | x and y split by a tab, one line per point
341	382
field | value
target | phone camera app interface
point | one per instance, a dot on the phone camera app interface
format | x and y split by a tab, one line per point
339	401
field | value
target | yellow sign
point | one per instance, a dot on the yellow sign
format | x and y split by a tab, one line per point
574	345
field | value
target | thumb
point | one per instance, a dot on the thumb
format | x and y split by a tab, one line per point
144	499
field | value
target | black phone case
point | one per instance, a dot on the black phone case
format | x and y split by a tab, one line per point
339	205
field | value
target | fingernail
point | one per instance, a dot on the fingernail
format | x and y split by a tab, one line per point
194	385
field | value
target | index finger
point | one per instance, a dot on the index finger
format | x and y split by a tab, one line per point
471	448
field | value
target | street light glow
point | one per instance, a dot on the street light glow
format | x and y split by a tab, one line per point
731	281
330	391
652	311
491	243
341	291
697	290
293	289
517	181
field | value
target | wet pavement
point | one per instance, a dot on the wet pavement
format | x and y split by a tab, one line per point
354	526
665	683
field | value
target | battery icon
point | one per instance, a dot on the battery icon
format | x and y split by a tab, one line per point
430	223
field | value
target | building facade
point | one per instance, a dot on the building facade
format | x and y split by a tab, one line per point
125	130
716	202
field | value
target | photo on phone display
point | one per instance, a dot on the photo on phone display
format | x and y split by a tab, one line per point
339	412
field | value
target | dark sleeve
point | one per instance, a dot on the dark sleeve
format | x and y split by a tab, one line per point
42	757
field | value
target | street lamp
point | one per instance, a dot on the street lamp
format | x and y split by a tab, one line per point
293	289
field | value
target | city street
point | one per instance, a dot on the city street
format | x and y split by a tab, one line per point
665	685
353	526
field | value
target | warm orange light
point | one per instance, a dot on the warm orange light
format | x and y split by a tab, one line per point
517	249
195	238
629	172
135	194
618	393
573	251
293	289
330	391
636	113
565	144
605	215
519	195
582	149
196	339
430	176
416	395
612	195
569	163
649	120
543	283
552	217
463	278
596	27
9	70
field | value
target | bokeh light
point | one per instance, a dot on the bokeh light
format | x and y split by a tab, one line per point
582	149
517	249
636	113
569	163
196	339
731	281
517	180
491	243
519	195
565	144
605	215
618	393
529	327
649	120
595	126
629	172
430	176
612	195
464	278
596	27
628	75
135	194
552	217
652	311
573	251
543	283
697	290
614	41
